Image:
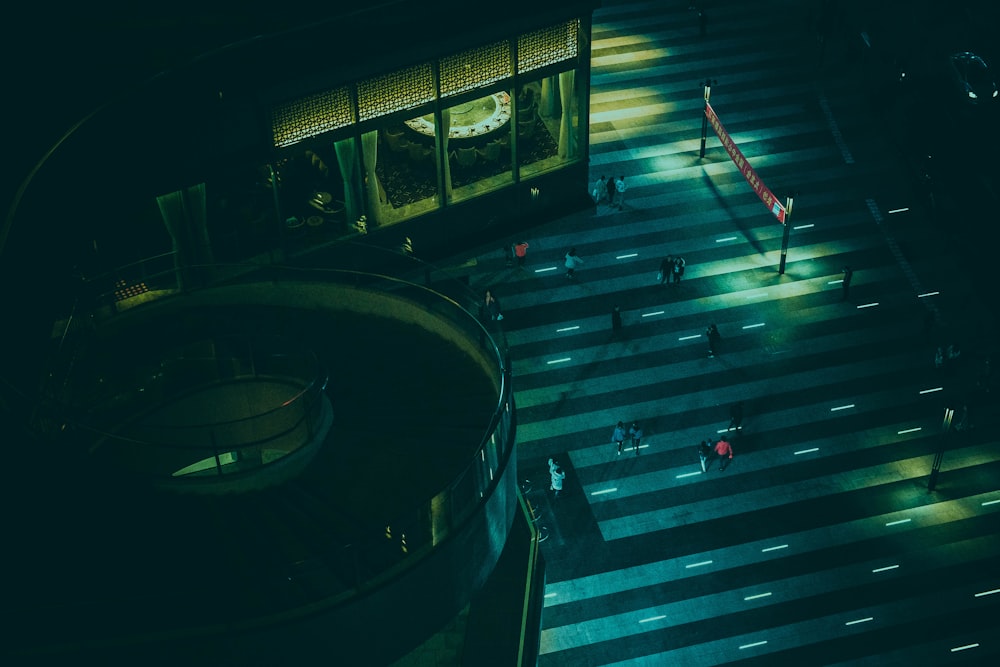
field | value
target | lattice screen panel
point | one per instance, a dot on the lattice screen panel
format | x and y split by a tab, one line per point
548	46
307	117
400	90
475	68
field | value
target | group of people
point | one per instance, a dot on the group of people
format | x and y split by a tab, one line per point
723	450
611	190
517	250
671	270
634	434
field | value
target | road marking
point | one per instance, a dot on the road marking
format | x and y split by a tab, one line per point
860	620
652	618
699	564
758	596
884	569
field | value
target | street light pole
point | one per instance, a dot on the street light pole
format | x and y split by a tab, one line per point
707	83
784	235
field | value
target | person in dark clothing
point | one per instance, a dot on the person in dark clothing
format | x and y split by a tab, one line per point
491	307
677	271
736	416
712	332
848	274
611	190
616	320
704	453
666	269
635	432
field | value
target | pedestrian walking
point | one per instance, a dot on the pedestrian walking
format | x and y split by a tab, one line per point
666	269
618	437
635	432
704	453
702	23
556	475
846	283
491	307
508	254
572	261
521	251
620	188
616	320
724	451
611	191
712	332
677	270
600	191
736	416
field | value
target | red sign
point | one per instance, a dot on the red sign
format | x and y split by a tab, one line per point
766	196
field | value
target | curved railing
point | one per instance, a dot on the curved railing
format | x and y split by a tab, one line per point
190	410
382	551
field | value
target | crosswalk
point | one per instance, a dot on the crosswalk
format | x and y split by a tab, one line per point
820	543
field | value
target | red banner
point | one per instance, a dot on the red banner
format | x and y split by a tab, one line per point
766	196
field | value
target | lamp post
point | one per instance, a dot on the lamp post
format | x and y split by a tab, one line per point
707	83
784	234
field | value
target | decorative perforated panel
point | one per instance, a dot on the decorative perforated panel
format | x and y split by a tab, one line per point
309	116
404	89
475	68
548	46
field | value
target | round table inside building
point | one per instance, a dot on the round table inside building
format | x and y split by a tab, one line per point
471	120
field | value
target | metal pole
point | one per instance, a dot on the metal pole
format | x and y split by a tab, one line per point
784	235
704	117
949	413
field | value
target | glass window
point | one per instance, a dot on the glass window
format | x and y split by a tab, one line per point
548	124
477	145
401	174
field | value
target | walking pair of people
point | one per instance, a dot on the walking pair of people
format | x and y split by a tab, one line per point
634	434
722	449
611	190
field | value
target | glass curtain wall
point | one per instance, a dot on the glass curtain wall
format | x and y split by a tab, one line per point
395	147
548	125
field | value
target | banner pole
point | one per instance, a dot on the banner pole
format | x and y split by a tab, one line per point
784	235
704	118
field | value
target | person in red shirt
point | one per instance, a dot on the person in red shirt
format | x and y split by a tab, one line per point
724	451
520	251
